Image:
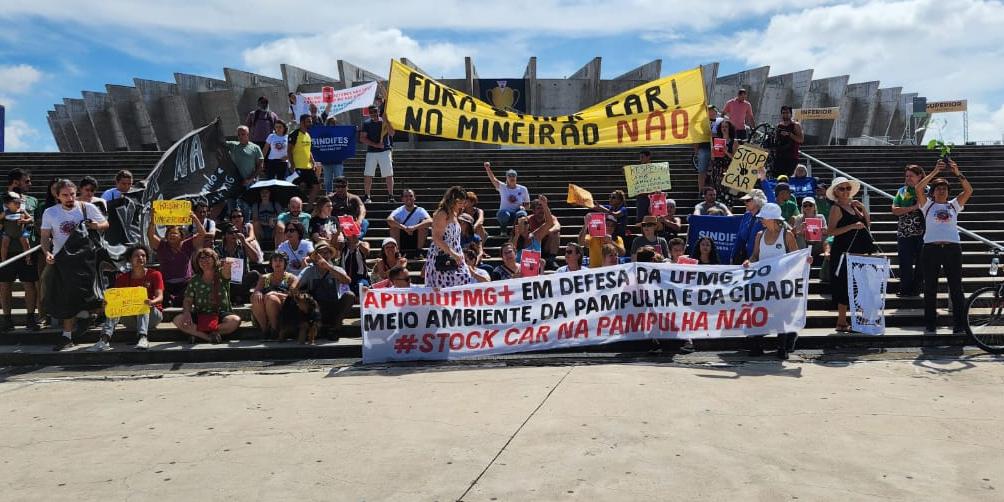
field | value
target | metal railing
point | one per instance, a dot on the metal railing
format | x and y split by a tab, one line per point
866	199
13	259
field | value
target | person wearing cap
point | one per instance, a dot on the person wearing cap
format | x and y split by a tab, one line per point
328	284
774	241
798	226
942	243
789	208
710	201
909	232
596	244
378	136
648	237
670	225
748	226
390	257
409	224
848	223
261	122
514	198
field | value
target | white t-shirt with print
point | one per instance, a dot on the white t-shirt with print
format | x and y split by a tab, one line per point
513	198
62	222
296	256
942	221
277	146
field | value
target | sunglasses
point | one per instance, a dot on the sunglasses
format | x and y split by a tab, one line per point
570	251
238	215
290	231
843	189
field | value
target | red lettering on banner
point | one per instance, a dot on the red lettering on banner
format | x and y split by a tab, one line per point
456	341
511	331
443	337
427	339
370	300
650	125
470	337
488	341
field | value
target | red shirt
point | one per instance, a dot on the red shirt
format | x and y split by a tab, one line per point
153	282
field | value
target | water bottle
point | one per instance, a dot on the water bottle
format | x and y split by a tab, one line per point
994	266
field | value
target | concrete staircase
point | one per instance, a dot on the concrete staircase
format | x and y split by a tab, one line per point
430	172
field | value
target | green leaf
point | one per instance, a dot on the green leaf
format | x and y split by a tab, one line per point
931	145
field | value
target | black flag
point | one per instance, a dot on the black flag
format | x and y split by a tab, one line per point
197	166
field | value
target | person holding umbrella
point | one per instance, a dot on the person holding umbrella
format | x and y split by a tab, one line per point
267	199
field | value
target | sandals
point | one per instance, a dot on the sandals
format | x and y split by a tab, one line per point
843	328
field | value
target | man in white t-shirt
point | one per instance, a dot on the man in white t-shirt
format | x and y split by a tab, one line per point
514	198
409	224
58	222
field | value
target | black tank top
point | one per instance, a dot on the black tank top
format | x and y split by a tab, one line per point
786	146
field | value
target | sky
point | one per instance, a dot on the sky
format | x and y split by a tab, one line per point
943	49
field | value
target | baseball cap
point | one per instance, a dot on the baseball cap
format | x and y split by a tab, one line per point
511	172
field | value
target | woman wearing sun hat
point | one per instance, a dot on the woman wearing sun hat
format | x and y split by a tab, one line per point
848	223
773	241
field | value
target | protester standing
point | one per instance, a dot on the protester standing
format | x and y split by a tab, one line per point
788	138
444	264
910	229
739	113
276	152
849	222
261	122
378	135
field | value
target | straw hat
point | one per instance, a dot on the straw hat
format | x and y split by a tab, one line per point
839	180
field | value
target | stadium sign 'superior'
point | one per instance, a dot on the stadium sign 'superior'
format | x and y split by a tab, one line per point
671	110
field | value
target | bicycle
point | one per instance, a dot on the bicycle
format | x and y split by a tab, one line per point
984	313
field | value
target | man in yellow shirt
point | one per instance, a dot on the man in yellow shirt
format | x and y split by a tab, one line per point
302	159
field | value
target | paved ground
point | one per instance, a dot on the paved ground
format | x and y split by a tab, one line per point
895	426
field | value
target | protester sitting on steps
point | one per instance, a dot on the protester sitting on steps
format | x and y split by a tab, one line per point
617	209
390	257
705	252
573	258
174	255
206	313
345	203
611	255
677	248
264	215
325	281
296	214
477	215
669	225
137	276
775	240
710	201
509	268
943	244
409	224
595	244
546	229
513	199
235	246
271	290
323	227
648	237
296	248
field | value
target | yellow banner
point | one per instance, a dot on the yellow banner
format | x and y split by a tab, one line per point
959	105
647	178
172	212
579	196
745	168
667	111
801	114
123	302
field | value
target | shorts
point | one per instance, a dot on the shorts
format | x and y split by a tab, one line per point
703	159
306	176
20	271
381	159
275	169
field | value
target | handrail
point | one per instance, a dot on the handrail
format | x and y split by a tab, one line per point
969	233
22	255
886	141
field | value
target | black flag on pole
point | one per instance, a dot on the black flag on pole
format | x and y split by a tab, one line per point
197	166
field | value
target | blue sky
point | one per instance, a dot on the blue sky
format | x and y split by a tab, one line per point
51	49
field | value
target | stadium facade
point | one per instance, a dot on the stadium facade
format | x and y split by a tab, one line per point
152	115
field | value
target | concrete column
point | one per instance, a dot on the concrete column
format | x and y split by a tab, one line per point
121	139
823	93
98	105
190	87
855	107
754	81
590	73
533	97
221	104
901	117
787	89
132	117
888	103
57	132
710	73
82	123
69	131
646	72
169	117
294	77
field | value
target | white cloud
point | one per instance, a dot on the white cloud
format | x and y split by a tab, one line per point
18	79
19	136
943	49
370	48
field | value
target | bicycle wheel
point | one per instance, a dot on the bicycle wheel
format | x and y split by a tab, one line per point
985	319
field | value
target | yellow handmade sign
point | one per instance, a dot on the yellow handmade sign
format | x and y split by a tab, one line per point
959	105
667	111
745	168
647	178
172	212
830	113
578	196
123	302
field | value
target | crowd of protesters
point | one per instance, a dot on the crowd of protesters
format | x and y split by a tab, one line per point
262	253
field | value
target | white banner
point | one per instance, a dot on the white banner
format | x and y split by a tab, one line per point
345	100
633	301
867	278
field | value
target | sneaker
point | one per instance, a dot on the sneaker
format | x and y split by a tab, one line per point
83	325
32	323
142	344
687	347
100	346
65	343
390	199
366	199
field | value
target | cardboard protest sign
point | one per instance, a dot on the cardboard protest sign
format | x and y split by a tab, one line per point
578	196
668	111
597	224
172	212
647	178
349	226
529	263
745	168
686	260
236	270
657	204
718	147
814	229
124	302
